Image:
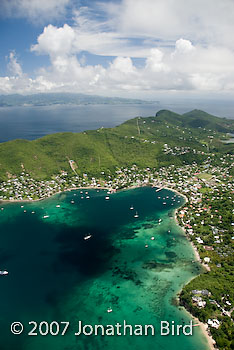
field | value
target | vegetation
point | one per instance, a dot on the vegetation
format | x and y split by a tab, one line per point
138	141
184	152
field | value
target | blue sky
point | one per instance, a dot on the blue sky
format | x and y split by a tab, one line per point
132	48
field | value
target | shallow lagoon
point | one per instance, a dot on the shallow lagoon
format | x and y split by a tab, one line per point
54	274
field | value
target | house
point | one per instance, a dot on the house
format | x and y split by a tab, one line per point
213	323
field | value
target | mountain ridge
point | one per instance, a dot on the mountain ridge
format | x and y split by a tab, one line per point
44	99
147	142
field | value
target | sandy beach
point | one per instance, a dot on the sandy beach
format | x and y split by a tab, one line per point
203	326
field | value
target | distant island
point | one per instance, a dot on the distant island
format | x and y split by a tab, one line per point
48	99
185	153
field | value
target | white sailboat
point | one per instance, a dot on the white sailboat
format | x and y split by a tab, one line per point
4	273
87	237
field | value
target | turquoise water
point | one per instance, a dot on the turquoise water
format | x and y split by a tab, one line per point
57	275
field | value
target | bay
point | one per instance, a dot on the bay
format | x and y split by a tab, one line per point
57	275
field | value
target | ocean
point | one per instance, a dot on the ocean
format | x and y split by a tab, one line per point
33	122
74	259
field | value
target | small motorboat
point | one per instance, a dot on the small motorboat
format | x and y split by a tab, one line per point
4	273
87	237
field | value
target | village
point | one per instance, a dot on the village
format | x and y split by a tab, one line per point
206	217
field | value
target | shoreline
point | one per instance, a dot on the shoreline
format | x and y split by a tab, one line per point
203	326
8	201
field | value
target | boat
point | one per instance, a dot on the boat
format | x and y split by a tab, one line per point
136	215
87	237
87	197
109	310
158	189
58	206
131	207
46	216
72	202
107	197
4	273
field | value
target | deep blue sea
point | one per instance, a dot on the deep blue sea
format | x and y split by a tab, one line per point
34	122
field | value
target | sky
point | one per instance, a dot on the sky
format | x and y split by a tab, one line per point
127	48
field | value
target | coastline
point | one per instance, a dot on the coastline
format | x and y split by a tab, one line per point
203	327
8	201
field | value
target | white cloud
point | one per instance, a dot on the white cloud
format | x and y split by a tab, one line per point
186	67
69	40
13	66
209	21
38	10
186	46
155	62
183	46
55	41
123	65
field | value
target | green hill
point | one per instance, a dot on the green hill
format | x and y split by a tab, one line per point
167	138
